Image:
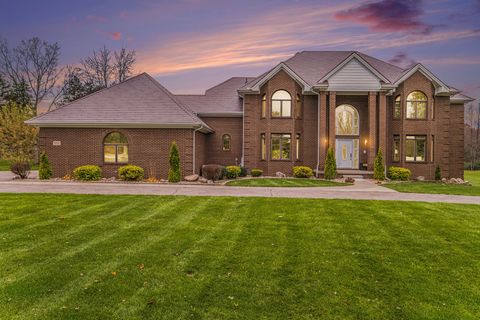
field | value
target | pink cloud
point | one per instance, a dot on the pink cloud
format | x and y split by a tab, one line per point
402	60
115	35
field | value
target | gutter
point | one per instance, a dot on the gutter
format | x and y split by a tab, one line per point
242	161
318	134
194	149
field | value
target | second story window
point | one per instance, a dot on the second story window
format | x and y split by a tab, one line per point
416	105
281	104
397	108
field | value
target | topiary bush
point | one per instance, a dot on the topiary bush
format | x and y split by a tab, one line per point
174	174
44	169
399	173
243	171
330	165
438	173
232	172
20	168
131	173
87	173
256	172
379	167
302	172
213	171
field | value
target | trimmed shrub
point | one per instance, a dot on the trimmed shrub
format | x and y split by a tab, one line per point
438	173
243	171
87	173
256	172
302	172
45	169
379	167
330	165
174	174
213	171
20	168
131	173
232	172
399	173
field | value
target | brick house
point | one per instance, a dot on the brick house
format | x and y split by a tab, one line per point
288	116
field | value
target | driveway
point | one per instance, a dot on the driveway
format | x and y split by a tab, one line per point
362	190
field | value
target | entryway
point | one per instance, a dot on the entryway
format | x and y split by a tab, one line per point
345	153
347	124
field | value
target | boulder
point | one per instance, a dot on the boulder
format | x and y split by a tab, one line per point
202	180
280	174
420	178
210	181
191	178
444	180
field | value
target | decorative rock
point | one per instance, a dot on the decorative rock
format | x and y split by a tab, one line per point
280	174
210	181
349	180
420	178
444	180
191	178
202	180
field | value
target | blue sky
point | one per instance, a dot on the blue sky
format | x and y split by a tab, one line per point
190	45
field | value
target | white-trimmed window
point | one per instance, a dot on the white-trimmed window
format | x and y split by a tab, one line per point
281	104
115	148
416	105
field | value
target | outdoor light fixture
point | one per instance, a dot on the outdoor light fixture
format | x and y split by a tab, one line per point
365	142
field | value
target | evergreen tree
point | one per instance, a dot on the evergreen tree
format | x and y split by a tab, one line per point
4	89
45	169
75	87
19	94
438	173
174	174
379	167
330	165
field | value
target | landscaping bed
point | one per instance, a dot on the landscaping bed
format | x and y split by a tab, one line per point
284	182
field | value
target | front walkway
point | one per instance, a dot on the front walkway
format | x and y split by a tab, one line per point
362	190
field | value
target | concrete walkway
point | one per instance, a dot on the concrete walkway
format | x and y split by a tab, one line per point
363	189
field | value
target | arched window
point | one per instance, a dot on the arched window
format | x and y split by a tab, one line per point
397	108
264	106
298	107
346	120
416	105
226	142
115	148
281	104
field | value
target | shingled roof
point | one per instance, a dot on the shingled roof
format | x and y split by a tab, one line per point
139	101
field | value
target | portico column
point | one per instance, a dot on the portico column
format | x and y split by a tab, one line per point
331	119
382	124
372	129
323	130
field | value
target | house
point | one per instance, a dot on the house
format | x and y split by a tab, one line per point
288	116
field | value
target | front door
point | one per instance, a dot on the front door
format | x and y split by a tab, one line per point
344	153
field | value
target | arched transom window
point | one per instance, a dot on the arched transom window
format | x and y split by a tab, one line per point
281	104
115	148
226	142
416	105
346	120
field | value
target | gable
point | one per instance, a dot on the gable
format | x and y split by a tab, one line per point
354	76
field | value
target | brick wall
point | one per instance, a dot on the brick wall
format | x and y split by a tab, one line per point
214	153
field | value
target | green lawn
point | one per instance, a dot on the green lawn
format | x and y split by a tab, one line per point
283	182
433	187
151	257
5	165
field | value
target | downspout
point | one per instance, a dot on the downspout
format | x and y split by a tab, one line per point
242	161
318	134
194	149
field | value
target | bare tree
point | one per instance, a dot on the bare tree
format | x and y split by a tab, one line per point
98	67
123	65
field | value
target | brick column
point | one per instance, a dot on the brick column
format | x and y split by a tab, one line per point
372	127
331	119
323	138
382	124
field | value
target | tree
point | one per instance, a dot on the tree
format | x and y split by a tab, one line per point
19	94
45	169
379	167
472	135
330	165
75	86
123	65
4	89
174	174
438	173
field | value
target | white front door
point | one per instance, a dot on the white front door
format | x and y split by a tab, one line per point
344	153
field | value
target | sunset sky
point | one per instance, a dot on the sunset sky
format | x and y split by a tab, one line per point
190	45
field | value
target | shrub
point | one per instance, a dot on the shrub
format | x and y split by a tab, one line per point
379	167
330	165
232	172
398	173
131	173
87	173
213	171
45	169
256	172
21	168
243	171
438	173
302	172
174	174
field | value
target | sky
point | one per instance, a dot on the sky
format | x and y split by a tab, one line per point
191	45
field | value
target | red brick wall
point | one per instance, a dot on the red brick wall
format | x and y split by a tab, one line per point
214	153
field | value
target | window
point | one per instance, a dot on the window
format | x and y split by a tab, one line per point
432	149
415	147
416	105
396	148
115	148
280	144
226	142
346	120
297	146
263	144
264	106
298	107
397	108
281	104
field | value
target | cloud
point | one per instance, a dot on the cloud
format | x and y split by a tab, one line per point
116	35
401	59
388	16
98	19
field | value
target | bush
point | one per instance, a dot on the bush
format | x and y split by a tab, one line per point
20	168
174	174
87	173
399	173
256	172
438	173
131	173
45	169
330	165
302	172
232	172
379	167
213	171
243	171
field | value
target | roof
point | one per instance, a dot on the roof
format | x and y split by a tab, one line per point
222	99
461	98
139	101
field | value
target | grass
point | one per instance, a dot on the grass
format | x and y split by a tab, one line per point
441	188
5	165
151	257
283	182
